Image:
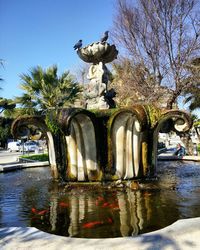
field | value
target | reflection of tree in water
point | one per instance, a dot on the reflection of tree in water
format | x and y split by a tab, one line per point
35	190
31	195
182	178
143	211
19	192
1	200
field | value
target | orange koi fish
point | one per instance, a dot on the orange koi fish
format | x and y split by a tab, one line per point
92	224
42	212
114	206
110	221
33	210
63	204
147	194
100	198
105	204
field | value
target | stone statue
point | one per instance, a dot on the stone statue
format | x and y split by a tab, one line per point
98	76
96	93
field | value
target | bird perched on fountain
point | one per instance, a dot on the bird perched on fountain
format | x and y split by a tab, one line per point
78	45
105	37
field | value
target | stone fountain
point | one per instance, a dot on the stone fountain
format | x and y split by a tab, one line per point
101	142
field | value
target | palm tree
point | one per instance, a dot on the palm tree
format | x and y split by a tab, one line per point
1	64
6	104
44	89
193	98
193	93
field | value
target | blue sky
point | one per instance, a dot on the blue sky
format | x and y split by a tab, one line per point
43	32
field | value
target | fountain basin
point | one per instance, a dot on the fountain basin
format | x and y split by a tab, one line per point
124	210
183	234
98	52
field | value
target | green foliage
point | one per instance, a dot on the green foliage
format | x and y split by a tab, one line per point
197	123
44	89
4	133
153	114
14	113
193	97
192	93
5	130
38	157
51	122
1	64
6	104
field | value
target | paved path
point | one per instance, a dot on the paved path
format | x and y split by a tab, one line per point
16	165
7	157
9	161
167	154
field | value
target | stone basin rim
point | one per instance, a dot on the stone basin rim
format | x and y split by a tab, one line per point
177	234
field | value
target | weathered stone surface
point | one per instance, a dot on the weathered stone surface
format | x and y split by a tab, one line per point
107	145
98	52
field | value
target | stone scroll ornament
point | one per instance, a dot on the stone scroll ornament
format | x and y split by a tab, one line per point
29	127
104	145
97	94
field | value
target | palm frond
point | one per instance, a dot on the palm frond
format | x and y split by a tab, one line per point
45	89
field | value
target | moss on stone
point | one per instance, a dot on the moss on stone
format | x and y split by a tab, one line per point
115	177
52	123
69	175
145	158
95	175
104	113
153	114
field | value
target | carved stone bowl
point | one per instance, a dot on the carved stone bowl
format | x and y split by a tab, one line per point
98	52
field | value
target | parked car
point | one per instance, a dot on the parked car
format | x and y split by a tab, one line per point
29	146
14	146
161	145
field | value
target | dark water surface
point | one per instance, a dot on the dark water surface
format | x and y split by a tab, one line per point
30	198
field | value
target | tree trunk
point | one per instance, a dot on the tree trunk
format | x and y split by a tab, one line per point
197	132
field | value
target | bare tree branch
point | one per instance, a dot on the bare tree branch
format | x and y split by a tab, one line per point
163	37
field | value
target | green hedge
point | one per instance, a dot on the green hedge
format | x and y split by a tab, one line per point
198	147
38	157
